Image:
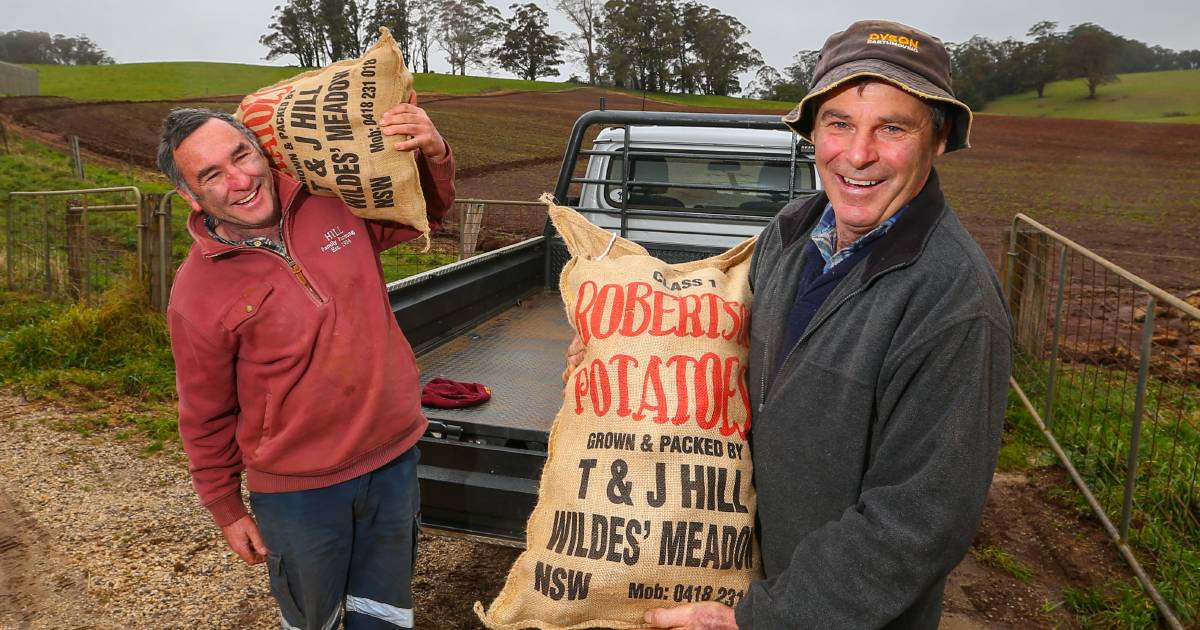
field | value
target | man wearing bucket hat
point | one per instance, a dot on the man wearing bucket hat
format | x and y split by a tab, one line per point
880	356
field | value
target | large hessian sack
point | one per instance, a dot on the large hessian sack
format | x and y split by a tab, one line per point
322	127
646	498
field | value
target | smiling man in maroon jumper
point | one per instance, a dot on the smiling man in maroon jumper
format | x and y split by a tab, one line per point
291	368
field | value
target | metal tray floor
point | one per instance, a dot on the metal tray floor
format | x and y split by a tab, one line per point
518	354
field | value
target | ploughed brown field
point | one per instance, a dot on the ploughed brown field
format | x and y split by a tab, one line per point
1129	191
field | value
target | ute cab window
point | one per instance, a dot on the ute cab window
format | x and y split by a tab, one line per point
746	184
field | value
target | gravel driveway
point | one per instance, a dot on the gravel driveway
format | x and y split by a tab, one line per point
94	534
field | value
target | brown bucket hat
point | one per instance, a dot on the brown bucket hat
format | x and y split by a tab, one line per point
910	59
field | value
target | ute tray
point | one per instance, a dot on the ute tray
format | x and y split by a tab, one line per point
518	354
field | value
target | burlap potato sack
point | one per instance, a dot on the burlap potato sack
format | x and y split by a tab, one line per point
321	127
646	498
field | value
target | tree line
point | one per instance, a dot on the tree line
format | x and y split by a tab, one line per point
985	69
657	45
41	47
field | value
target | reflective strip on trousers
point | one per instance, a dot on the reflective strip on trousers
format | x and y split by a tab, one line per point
329	624
401	617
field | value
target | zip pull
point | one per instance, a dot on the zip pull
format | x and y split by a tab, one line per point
299	273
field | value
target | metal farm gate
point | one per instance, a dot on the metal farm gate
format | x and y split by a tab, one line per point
1108	366
76	244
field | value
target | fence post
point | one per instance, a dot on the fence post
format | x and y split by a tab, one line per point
76	157
1135	430
8	240
470	222
1058	306
148	244
75	254
49	280
161	270
1009	263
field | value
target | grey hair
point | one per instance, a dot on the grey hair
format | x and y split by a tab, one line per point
177	126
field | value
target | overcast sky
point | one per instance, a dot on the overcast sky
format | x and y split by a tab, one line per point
228	30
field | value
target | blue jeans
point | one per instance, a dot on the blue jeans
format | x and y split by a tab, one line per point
350	545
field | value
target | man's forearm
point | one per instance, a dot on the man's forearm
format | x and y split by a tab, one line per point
437	184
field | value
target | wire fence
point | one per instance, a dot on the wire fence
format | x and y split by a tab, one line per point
73	244
1108	365
471	227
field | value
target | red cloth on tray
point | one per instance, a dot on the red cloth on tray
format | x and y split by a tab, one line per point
444	393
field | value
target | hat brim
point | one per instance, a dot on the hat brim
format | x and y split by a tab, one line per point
800	119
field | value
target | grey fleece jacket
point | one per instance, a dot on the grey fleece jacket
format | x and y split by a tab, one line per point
875	441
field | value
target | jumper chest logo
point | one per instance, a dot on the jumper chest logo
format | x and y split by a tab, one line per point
337	238
894	40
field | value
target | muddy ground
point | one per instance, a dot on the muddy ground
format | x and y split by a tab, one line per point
93	534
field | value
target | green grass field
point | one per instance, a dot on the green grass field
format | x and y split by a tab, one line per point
81	353
452	84
706	101
187	79
31	166
156	81
1170	96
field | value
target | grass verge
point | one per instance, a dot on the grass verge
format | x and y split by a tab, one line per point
408	260
31	165
1113	605
1002	560
1092	423
110	364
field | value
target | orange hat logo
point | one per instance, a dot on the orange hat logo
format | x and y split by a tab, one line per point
890	39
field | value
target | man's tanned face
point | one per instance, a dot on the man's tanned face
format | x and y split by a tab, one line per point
875	146
228	177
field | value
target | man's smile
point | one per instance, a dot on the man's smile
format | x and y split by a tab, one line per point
859	183
248	199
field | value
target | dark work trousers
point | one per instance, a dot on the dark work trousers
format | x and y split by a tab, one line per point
352	544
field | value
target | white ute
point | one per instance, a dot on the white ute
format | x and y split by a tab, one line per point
706	186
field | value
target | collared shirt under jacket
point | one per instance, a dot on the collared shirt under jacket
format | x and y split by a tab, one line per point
875	438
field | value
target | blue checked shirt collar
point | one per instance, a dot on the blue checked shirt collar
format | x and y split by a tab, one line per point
824	236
